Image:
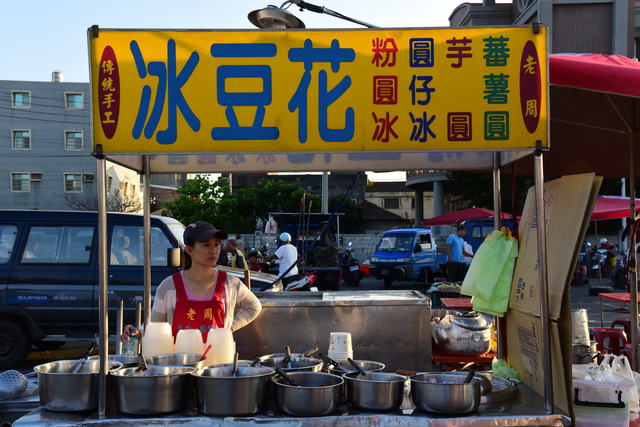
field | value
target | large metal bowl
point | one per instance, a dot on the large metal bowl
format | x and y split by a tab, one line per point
222	394
62	391
381	392
165	389
318	394
177	359
445	393
298	364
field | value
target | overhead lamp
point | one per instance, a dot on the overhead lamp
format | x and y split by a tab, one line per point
279	18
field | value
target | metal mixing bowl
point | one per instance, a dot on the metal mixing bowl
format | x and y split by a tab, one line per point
62	391
445	393
365	365
127	360
318	394
381	392
177	359
298	364
222	394
165	389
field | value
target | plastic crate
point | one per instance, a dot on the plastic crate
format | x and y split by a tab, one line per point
600	403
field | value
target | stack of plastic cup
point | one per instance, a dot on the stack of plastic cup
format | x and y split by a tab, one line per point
340	347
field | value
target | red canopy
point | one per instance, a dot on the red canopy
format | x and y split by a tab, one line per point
598	72
458	217
611	207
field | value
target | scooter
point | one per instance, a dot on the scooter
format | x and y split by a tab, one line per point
351	273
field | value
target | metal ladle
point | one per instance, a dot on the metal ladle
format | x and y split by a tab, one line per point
83	359
235	364
287	378
358	368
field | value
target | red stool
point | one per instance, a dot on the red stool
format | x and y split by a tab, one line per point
609	340
625	323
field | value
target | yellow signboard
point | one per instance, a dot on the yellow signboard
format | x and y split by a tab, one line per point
198	91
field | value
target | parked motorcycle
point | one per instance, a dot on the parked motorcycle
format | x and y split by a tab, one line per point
351	272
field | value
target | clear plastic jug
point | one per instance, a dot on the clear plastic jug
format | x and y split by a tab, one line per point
222	346
189	341
157	339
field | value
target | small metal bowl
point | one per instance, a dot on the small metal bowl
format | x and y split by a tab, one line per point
298	364
177	359
127	360
365	365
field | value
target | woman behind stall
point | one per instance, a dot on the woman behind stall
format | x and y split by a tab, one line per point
200	296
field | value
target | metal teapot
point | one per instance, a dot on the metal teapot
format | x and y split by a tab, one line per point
466	334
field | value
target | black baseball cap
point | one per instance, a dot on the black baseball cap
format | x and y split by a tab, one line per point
202	231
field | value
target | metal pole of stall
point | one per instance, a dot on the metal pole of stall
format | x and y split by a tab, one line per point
103	317
138	315
497	209
119	325
633	255
541	226
146	206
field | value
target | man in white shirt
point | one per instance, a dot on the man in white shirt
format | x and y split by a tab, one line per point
287	255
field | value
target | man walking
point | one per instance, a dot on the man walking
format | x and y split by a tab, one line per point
456	268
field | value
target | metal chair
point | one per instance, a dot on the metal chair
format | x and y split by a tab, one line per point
609	340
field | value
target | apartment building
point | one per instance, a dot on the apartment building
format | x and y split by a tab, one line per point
45	149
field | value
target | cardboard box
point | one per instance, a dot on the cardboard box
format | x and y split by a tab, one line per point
568	205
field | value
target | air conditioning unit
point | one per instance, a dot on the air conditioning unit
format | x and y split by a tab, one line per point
88	177
36	176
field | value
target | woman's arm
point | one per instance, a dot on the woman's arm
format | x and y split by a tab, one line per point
247	304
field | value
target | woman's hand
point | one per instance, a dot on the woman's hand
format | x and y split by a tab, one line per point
126	334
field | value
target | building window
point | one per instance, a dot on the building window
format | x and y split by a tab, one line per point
391	203
21	139
20	182
21	99
73	183
73	140
74	100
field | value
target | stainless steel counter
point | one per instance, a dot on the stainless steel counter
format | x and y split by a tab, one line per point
526	410
392	327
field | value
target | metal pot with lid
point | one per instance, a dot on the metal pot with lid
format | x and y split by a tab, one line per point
467	334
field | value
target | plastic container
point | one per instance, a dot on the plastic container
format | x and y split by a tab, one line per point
189	341
600	403
222	346
158	339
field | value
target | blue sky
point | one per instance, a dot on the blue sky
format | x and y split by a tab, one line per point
42	36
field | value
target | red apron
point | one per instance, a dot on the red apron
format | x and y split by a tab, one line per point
203	315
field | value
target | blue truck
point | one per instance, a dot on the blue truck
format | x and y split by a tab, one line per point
479	229
407	254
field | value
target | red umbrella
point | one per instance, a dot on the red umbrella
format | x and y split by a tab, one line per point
458	217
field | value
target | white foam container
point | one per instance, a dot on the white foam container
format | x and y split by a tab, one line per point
610	394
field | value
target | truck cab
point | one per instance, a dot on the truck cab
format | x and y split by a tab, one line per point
406	254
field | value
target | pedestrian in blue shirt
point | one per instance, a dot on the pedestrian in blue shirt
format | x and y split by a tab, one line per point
456	267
